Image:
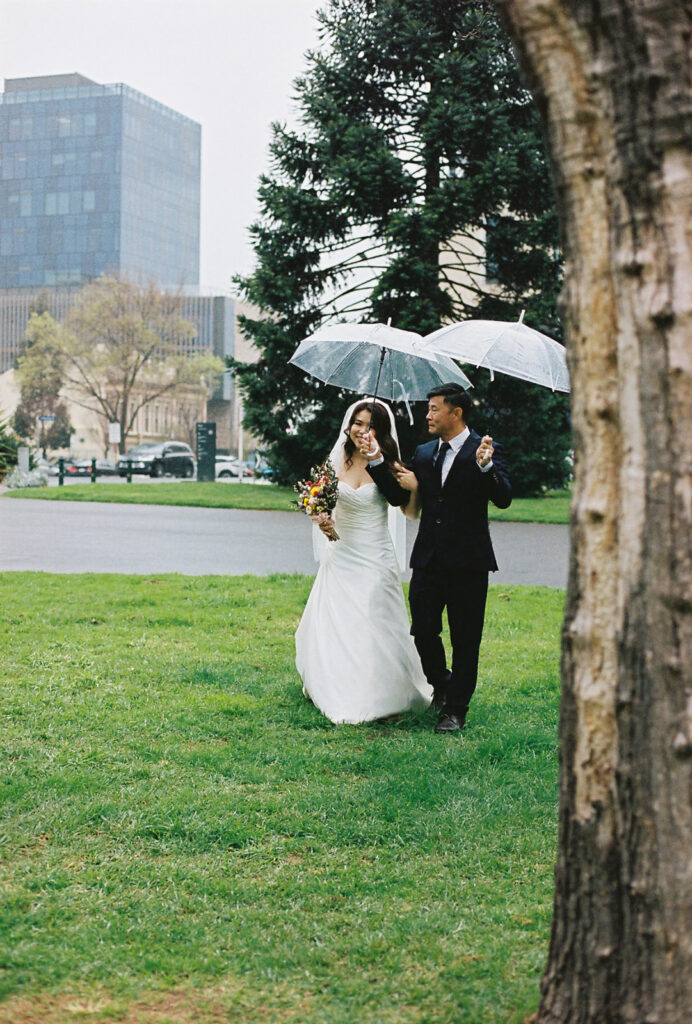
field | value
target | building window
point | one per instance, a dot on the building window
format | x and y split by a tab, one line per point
89	201
15	168
20	128
56	277
57	202
25	204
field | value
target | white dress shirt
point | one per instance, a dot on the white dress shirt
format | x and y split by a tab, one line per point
455	446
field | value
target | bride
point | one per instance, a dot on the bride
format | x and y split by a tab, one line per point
354	652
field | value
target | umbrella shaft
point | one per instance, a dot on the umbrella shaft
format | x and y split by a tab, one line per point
377	382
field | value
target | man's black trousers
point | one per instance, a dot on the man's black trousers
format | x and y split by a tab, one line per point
463	593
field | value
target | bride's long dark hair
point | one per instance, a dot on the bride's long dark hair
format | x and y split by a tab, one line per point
379	422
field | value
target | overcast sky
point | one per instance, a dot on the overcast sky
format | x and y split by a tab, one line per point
228	64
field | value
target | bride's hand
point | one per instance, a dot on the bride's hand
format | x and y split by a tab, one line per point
368	445
326	525
406	478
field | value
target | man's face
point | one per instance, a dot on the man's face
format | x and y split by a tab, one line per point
443	420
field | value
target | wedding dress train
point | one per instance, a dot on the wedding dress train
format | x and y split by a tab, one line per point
354	652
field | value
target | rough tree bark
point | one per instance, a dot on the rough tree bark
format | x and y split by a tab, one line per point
612	79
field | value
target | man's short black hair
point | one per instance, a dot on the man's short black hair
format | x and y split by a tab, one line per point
453	395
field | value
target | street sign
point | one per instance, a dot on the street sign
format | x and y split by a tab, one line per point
206	451
114	433
47	419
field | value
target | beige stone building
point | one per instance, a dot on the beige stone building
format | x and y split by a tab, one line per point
465	270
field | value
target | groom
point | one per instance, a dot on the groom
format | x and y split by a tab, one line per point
450	483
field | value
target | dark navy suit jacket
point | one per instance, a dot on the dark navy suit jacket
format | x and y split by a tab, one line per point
454	519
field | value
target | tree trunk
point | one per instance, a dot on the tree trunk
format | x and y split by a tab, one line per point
612	82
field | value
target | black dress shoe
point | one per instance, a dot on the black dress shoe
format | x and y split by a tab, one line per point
450	723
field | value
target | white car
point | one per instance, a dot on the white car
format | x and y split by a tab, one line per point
228	468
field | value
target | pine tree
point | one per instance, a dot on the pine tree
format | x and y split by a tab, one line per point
418	139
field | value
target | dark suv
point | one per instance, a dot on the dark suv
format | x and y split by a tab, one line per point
174	458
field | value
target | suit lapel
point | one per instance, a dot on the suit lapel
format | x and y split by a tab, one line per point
470	445
427	453
430	452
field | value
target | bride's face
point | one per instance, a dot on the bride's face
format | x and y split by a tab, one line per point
359	427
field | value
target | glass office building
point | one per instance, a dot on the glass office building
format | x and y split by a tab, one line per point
95	179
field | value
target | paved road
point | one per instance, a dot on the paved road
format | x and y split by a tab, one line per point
72	537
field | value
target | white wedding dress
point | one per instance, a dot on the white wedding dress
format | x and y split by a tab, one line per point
354	652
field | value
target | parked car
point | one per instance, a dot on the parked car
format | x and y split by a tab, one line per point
174	458
228	467
82	467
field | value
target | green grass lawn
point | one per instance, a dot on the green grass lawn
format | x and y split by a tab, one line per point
207	495
553	508
184	838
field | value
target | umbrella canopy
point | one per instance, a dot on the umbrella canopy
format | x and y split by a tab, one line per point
511	348
375	359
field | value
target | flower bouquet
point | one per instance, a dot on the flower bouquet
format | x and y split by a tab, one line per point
317	496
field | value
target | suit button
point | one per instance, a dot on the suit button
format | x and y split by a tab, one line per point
438	521
440	500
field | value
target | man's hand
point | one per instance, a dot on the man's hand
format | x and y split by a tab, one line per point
485	451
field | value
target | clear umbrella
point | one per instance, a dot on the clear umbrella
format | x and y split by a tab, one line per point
511	348
377	360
